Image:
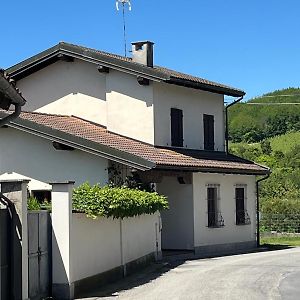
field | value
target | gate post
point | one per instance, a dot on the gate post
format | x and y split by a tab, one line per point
62	281
16	193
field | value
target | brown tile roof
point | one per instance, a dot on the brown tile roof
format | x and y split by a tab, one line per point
162	157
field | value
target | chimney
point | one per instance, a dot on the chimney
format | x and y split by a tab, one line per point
142	52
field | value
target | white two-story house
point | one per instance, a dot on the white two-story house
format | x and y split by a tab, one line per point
88	110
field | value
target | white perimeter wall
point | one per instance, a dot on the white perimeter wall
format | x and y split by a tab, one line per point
96	244
129	107
68	88
36	158
230	233
194	104
177	222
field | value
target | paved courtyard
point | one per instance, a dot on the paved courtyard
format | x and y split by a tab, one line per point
263	275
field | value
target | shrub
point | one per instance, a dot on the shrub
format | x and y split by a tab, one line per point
266	147
116	202
281	215
33	204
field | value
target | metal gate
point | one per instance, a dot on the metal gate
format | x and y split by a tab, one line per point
39	256
5	244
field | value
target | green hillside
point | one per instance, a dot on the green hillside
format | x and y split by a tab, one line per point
253	123
270	135
285	142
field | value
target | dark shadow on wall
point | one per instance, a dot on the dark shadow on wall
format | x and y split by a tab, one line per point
60	288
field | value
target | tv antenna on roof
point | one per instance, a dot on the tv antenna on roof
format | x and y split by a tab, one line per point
124	2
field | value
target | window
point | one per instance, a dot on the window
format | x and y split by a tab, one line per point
176	127
241	214
215	218
209	132
42	195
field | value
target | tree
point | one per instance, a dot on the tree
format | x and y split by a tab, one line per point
265	146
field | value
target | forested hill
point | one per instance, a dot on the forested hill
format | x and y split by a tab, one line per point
253	123
270	135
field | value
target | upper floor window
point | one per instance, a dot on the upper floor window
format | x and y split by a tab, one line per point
209	132
242	217
176	127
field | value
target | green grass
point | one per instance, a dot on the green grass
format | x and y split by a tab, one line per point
285	142
282	240
244	144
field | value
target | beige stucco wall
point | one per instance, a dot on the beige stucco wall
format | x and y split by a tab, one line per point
35	157
194	104
129	107
177	222
96	244
230	233
68	88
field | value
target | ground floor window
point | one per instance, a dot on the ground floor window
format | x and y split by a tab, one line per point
241	214
214	215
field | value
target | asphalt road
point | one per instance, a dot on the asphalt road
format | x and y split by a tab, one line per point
263	275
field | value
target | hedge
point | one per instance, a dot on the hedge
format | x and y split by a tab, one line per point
116	202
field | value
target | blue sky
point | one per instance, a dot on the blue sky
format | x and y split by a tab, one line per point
253	45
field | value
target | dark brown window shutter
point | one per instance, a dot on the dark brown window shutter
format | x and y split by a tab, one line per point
209	132
176	127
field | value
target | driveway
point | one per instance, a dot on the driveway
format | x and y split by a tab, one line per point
263	275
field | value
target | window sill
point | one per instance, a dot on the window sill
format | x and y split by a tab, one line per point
216	226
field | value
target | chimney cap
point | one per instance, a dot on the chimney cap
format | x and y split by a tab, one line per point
142	43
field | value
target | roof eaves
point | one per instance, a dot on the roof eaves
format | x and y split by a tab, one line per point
81	143
19	69
206	87
115	62
221	170
49	56
9	94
